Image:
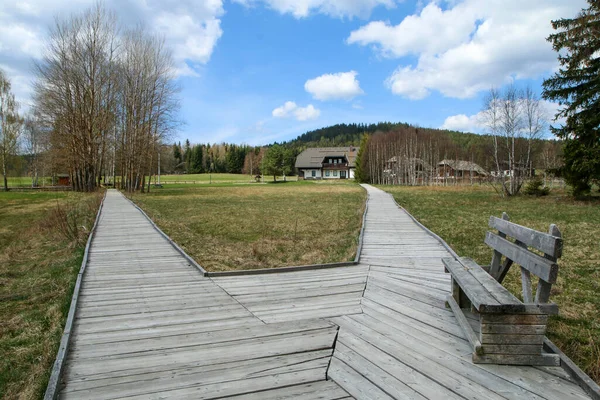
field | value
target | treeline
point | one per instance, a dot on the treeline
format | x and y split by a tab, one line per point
230	158
219	158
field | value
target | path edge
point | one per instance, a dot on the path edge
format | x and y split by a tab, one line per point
296	268
362	228
171	241
581	378
59	363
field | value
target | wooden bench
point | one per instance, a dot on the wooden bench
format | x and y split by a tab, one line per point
501	328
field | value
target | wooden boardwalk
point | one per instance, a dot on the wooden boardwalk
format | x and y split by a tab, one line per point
149	325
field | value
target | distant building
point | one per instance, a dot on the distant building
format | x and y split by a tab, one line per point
63	179
460	170
327	163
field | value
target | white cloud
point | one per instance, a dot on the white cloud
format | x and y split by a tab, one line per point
342	85
300	113
468	47
307	113
463	123
334	8
190	28
432	30
476	122
551	110
285	110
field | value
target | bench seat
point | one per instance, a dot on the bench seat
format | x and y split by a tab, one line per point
509	331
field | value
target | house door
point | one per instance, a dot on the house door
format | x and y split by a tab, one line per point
342	174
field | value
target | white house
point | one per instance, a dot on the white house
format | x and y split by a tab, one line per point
327	163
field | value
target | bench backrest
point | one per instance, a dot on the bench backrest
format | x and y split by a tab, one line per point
517	252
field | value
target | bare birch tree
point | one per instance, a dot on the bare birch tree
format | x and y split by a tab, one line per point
36	144
535	123
491	120
75	90
110	99
515	119
10	125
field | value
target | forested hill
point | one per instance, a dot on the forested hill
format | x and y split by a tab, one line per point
350	135
340	134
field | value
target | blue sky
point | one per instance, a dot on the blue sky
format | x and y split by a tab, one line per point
258	71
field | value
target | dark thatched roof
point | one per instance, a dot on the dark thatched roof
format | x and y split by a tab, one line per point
313	158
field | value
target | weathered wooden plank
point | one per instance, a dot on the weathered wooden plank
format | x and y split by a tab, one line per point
366	358
505	338
464	324
541	267
514	359
164	360
521	349
353	382
446	324
324	390
544	242
133	384
496	290
513	329
195	339
514	319
477	294
486	294
237	387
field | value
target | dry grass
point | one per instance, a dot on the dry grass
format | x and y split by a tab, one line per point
230	227
208	178
38	268
460	216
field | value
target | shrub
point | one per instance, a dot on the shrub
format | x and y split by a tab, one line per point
535	187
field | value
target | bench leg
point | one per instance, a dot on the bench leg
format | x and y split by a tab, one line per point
464	324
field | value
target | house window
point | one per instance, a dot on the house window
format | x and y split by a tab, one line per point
327	173
313	173
334	173
335	161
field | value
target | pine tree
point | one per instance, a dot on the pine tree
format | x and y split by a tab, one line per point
360	173
177	152
196	160
187	155
576	86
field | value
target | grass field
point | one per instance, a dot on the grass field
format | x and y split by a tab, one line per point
195	179
208	178
39	260
460	217
25	181
232	227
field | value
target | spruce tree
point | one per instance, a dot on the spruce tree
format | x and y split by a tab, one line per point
576	87
273	161
187	155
